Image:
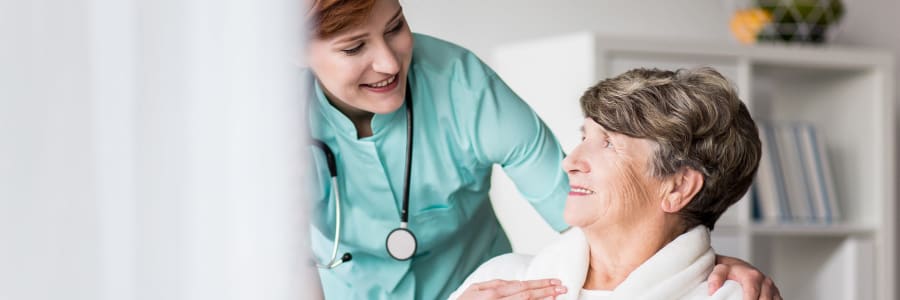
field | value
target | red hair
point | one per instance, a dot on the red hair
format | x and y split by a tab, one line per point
328	17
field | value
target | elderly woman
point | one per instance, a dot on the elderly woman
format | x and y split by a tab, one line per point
663	155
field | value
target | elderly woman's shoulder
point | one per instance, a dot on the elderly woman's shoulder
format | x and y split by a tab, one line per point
509	266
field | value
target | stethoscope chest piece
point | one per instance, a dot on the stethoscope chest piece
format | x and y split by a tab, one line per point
401	244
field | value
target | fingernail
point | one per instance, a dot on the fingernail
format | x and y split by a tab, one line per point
555	282
560	289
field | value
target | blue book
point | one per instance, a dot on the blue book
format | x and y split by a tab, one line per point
823	176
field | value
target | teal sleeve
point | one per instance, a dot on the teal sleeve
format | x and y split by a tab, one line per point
509	133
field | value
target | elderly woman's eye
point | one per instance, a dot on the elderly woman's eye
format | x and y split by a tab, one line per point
607	144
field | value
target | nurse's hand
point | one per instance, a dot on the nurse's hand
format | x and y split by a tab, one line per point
514	289
755	284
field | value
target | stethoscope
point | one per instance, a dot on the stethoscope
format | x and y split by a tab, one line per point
401	242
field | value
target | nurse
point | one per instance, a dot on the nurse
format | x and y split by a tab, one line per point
376	91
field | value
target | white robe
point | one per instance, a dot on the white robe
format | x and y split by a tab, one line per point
677	271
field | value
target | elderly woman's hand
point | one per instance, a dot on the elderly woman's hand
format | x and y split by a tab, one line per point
754	283
514	289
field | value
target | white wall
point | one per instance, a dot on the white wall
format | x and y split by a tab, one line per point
481	25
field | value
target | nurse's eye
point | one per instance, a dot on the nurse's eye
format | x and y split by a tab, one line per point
396	27
607	143
354	50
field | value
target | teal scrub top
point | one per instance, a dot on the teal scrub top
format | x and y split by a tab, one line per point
466	120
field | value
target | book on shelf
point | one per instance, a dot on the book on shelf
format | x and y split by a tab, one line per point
794	182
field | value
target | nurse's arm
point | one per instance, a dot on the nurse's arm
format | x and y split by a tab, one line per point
755	284
508	133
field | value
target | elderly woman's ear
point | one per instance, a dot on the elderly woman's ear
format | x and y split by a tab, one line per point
681	188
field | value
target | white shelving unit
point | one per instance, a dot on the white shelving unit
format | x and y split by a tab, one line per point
846	93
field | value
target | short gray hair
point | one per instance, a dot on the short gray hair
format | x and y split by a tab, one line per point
697	121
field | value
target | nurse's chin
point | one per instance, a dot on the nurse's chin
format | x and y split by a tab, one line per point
379	104
386	108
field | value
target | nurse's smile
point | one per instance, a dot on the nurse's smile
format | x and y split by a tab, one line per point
383	86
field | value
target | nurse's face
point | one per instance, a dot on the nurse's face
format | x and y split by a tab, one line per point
610	179
363	69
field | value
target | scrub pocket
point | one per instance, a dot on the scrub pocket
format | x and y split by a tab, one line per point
435	224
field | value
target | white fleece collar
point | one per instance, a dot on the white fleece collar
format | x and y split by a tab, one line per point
673	271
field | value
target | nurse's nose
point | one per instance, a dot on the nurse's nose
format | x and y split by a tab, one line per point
385	60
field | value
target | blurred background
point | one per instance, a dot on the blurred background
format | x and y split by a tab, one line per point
131	134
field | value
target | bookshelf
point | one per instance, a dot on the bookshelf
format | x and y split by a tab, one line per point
845	93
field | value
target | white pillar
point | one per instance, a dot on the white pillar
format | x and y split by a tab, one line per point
152	150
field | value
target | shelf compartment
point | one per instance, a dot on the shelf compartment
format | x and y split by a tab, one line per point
836	230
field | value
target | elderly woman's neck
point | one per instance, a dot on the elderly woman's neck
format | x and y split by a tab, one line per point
618	250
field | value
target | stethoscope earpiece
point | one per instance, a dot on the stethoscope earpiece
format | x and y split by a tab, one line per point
336	262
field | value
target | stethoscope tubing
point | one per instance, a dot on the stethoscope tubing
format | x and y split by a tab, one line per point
404	211
332	170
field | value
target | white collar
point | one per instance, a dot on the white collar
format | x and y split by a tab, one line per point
673	271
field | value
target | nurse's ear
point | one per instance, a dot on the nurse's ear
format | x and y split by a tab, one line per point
680	189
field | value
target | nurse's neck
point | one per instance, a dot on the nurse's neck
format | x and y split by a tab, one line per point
363	126
361	119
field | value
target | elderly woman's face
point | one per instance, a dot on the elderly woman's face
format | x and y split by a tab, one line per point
610	179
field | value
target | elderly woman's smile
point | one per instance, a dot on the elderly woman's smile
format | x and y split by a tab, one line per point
579	191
